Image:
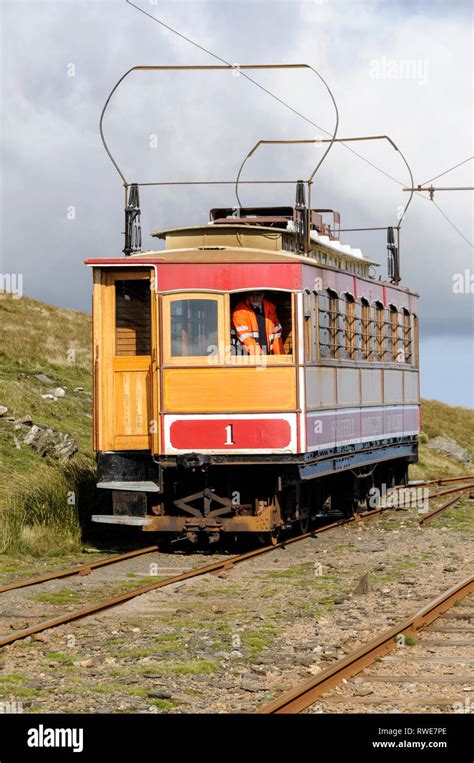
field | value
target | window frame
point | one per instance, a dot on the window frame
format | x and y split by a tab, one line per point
132	274
407	336
350	321
192	360
366	330
393	334
232	361
310	329
223	357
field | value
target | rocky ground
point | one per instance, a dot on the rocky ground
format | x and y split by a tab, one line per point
228	642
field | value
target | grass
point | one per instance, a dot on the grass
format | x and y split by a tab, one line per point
439	419
59	657
13	678
41	500
459	518
180	668
301	571
163	704
64	596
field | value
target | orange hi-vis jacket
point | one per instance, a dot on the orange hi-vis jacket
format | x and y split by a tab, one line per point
246	328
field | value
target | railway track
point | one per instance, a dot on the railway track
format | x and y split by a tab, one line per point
82	569
86	569
114	601
458	494
215	567
303	696
448	480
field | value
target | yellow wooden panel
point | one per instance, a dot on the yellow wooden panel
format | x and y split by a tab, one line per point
229	389
130	403
132	442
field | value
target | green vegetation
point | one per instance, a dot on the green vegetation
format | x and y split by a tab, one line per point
38	514
64	596
255	641
441	420
59	657
163	704
180	668
458	518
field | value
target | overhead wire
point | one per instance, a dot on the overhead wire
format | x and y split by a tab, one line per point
299	114
446	171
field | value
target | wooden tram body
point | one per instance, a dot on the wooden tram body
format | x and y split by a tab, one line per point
193	436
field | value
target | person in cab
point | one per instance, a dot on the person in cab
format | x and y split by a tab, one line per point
256	325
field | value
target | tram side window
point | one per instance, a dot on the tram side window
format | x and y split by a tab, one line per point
331	331
365	330
406	336
310	326
326	346
351	333
394	349
132	317
194	327
379	331
262	317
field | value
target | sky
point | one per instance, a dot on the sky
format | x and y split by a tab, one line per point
402	69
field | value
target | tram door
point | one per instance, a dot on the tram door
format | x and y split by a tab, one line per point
126	365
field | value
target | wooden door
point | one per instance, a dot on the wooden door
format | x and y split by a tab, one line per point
126	365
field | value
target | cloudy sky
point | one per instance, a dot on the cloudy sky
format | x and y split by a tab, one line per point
397	68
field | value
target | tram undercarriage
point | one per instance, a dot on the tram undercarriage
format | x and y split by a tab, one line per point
208	498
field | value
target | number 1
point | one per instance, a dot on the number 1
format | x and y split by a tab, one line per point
229	435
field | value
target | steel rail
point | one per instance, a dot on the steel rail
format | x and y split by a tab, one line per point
83	569
450	491
304	695
440	482
447	504
221	565
448	480
443	507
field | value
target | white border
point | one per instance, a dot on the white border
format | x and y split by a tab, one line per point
170	419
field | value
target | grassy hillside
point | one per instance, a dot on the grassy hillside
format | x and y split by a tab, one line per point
37	513
35	496
439	419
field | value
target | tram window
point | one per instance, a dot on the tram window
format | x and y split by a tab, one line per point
282	308
193	327
132	317
365	330
406	335
393	336
379	331
310	326
323	320
329	330
350	328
